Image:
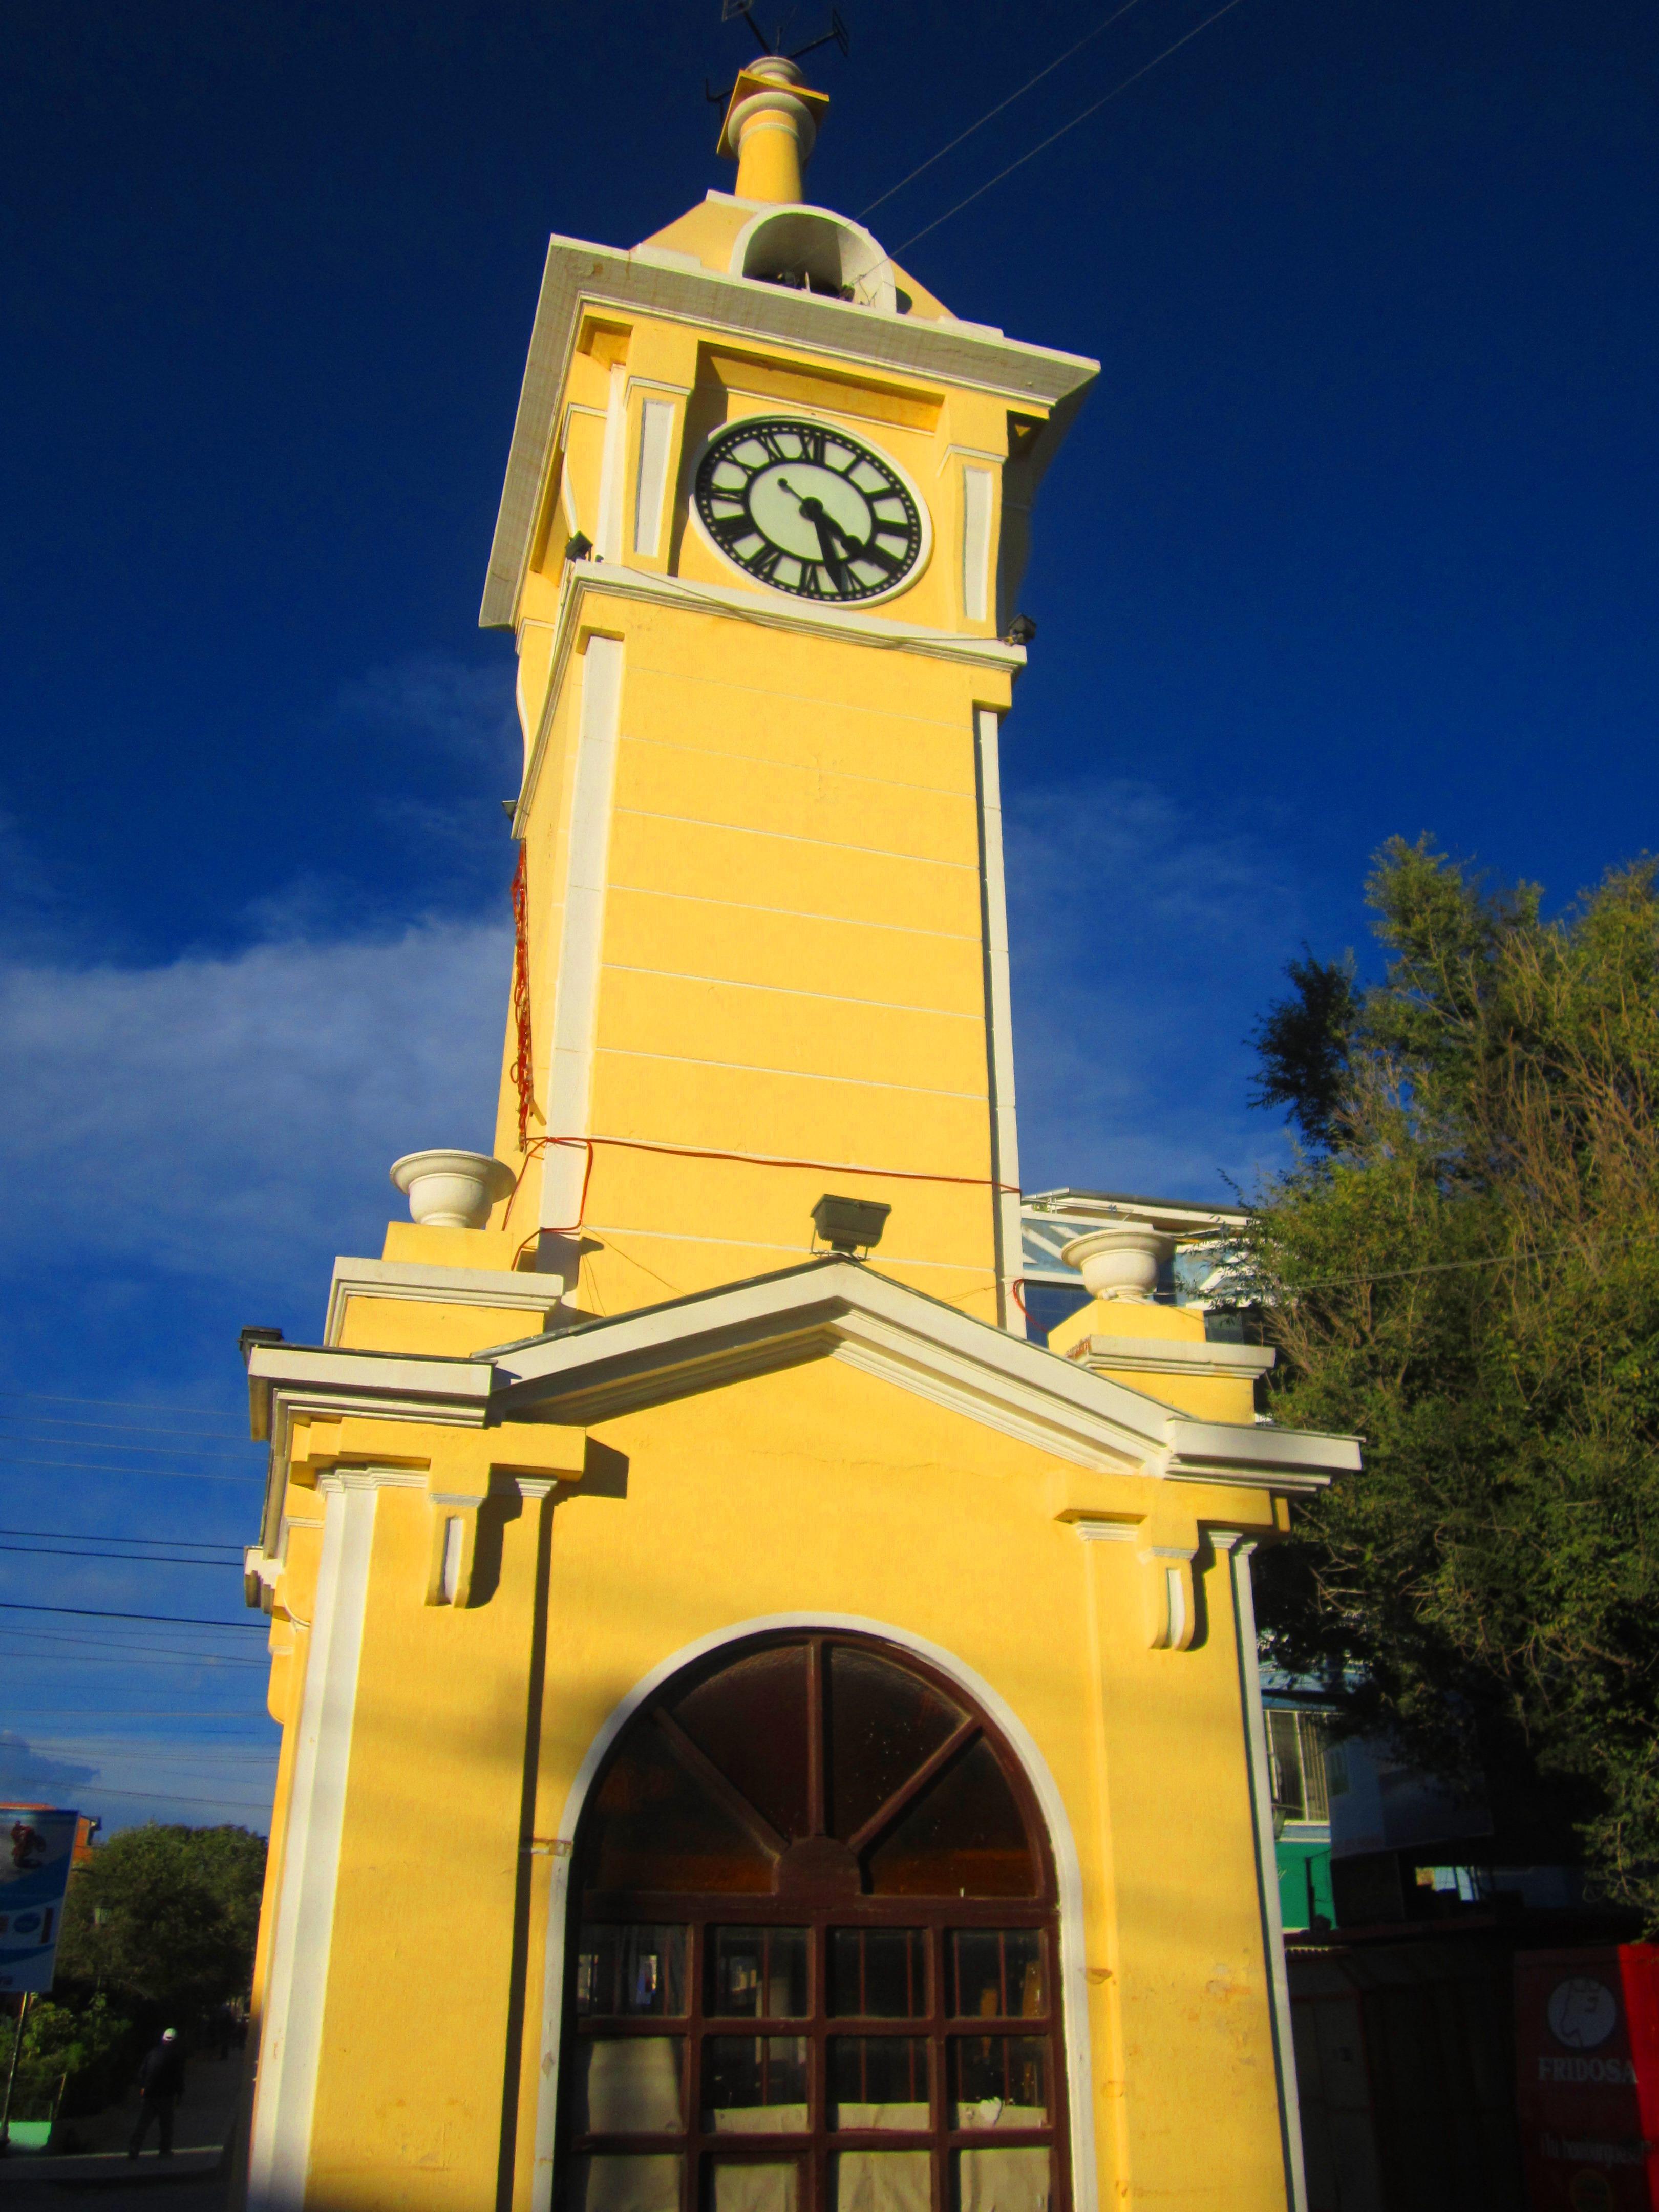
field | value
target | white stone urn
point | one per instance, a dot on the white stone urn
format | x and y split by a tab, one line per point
452	1190
1121	1261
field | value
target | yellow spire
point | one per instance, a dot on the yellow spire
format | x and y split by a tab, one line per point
770	128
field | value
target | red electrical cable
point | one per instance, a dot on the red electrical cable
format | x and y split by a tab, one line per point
523	1070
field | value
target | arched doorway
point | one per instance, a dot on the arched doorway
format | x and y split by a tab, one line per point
814	1965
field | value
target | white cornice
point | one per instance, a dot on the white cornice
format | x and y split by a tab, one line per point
504	1290
602	580
826	1310
841	1310
578	275
284	1380
1158	1355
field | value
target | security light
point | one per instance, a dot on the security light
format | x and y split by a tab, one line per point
250	1337
1021	630
850	1226
579	547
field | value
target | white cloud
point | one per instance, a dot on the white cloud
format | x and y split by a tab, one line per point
228	1117
27	1774
1145	945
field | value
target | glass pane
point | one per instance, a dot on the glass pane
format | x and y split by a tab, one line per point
1284	1746
999	2081
997	1973
881	2181
883	1724
1003	2180
751	1719
878	1973
653	1827
625	2184
773	2186
631	1970
964	1838
754	2084
878	2081
628	2084
756	1973
1315	1797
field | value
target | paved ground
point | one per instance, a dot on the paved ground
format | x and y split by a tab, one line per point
101	2175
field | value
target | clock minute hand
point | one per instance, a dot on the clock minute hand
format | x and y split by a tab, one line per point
814	511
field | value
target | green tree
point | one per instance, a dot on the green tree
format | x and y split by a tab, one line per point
1467	1274
87	2053
167	1917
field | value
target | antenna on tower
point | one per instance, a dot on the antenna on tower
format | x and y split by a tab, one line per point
730	10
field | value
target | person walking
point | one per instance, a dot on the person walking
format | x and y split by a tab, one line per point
160	2085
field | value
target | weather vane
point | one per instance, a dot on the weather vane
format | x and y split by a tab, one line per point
835	36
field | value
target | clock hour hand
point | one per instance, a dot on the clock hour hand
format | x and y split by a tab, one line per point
814	511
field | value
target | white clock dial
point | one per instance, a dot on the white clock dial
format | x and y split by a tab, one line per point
809	510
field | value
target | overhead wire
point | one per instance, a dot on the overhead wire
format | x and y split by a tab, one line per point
124	1559
105	1612
990	114
79	1536
214	1448
1055	137
121	1405
157	1474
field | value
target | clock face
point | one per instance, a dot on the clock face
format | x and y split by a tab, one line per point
809	510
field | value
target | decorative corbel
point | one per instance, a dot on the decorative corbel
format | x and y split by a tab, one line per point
1167	1547
454	1542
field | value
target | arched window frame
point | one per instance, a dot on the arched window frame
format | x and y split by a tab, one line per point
940	1917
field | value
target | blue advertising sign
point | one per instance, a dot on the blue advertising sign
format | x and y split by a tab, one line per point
36	1849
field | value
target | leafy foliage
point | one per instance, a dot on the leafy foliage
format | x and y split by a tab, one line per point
167	1917
93	2046
1301	1043
1468	1277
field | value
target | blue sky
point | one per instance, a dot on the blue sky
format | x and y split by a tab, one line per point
1355	536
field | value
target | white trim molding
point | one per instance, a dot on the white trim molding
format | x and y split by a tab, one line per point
998	1018
1165	1355
843	1309
291	2038
1073	1979
506	1291
587	868
1238	1550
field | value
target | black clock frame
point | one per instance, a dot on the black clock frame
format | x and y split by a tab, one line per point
762	566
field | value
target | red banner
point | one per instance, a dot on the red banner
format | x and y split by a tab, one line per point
1587	2045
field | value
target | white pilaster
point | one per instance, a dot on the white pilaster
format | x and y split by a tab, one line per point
1261	1812
999	1015
290	2047
576	993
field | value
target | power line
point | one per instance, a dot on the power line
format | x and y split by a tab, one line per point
113	1428
169	1797
129	1652
990	114
80	1536
126	1559
1055	137
122	1404
159	1473
175	1450
103	1613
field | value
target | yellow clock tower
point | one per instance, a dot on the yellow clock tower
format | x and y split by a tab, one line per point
760	1734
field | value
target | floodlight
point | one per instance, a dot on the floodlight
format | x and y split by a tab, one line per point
850	1226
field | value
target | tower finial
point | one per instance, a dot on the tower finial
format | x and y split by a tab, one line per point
771	118
771	126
